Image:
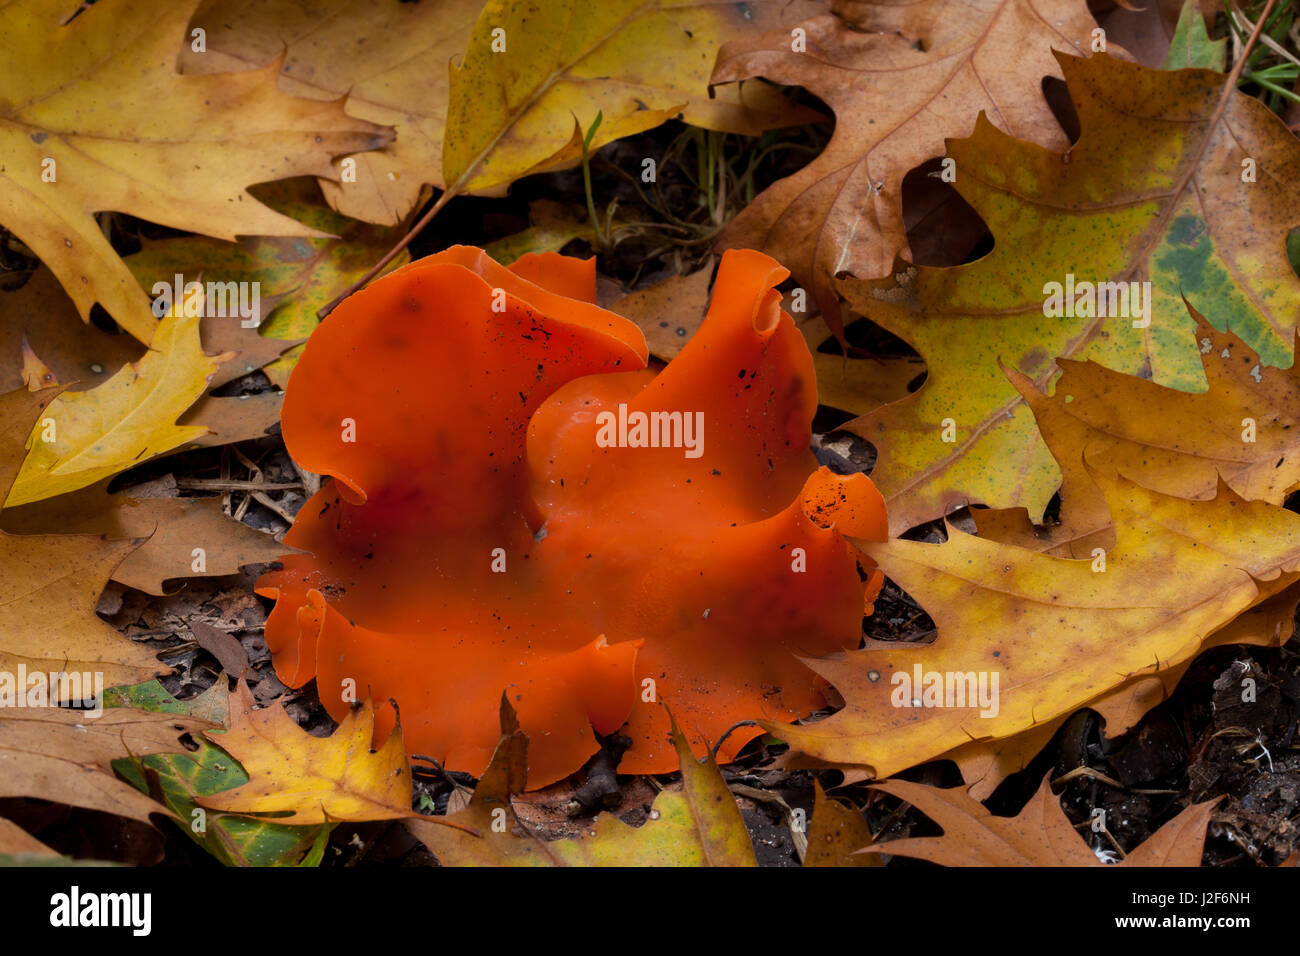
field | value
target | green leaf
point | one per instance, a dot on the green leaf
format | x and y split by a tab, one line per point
1192	46
235	841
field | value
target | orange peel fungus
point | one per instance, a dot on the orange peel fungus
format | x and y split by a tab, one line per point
519	504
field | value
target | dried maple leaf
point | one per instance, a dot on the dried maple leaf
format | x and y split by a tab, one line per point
700	825
1040	835
306	779
900	78
705	568
95	117
1043	636
1153	191
50	583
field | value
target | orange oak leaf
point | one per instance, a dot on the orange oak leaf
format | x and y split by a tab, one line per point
499	519
900	78
1040	835
836	834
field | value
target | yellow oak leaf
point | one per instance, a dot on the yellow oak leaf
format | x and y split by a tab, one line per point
531	68
94	117
311	779
86	436
1152	208
1024	638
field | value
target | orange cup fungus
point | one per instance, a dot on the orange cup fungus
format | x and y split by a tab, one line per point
518	504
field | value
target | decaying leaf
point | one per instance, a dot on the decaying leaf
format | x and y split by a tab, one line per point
700	825
1040	835
1024	638
669	312
1164	34
181	537
1191	46
86	436
184	776
388	60
551	229
232	418
295	275
986	763
50	583
17	845
308	780
837	833
636	62
1155	191
82	357
51	753
900	78
95	117
1244	430
41	314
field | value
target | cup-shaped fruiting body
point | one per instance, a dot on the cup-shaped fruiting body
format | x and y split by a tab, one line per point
519	505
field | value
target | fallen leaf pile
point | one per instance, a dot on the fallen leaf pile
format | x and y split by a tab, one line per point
902	462
1103	211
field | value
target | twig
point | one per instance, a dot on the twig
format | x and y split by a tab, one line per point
392	253
217	484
